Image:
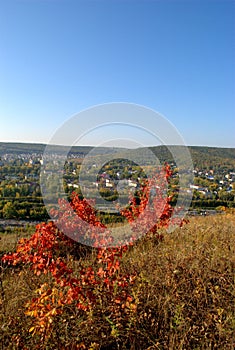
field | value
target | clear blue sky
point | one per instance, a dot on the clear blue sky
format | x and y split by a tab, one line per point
58	57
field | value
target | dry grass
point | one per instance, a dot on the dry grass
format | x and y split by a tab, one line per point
184	293
9	239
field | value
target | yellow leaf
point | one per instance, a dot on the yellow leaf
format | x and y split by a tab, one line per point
29	313
54	311
31	329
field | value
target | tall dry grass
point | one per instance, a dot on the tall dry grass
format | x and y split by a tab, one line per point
184	296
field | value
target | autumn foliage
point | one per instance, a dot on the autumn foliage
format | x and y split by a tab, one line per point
48	250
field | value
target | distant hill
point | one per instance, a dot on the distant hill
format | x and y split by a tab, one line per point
17	148
203	157
214	157
32	148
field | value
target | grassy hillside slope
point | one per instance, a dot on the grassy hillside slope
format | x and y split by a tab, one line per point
184	295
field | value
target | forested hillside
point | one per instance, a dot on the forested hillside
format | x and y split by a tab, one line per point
202	156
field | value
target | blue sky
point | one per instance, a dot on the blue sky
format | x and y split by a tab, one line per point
58	57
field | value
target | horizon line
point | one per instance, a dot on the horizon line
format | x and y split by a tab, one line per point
144	146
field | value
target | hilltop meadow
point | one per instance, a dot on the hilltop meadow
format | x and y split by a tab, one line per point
182	296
